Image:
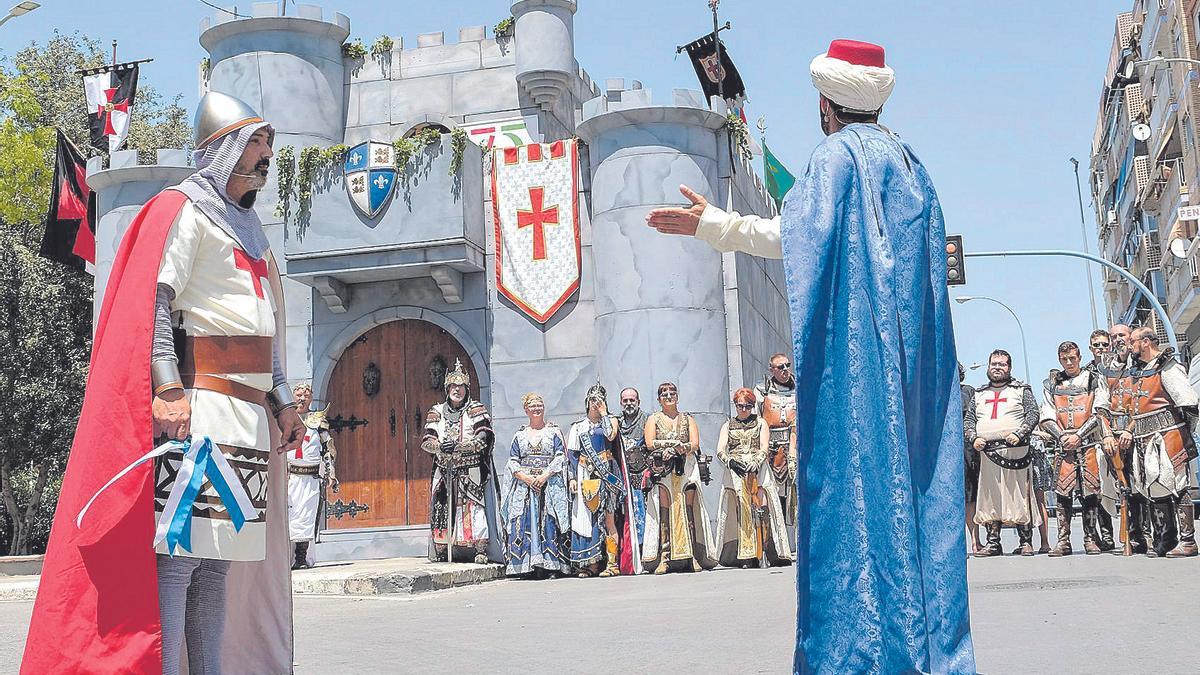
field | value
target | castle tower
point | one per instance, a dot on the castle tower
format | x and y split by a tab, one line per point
546	65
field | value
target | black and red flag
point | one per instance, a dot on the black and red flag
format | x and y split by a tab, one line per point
110	92
70	236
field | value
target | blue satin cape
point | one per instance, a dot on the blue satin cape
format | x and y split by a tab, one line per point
881	561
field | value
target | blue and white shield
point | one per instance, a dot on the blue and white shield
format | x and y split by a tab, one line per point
370	176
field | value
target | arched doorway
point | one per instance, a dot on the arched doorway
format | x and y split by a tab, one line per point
390	376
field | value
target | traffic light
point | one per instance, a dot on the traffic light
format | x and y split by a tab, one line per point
956	270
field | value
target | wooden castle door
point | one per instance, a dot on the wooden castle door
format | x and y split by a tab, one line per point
389	377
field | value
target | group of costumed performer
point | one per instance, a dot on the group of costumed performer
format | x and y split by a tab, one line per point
184	421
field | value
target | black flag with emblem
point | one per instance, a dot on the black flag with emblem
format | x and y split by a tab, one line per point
110	92
712	70
70	236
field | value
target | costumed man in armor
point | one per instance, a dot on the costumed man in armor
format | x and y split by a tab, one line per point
632	427
1005	414
458	433
750	523
776	399
678	535
1116	370
310	467
971	464
1100	344
187	350
1071	415
598	477
535	504
1160	433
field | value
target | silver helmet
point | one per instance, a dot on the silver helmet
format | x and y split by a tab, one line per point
219	114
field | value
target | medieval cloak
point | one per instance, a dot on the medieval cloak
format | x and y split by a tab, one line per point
97	603
881	554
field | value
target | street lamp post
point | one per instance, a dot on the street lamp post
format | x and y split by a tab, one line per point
1083	232
1156	61
19	9
1024	346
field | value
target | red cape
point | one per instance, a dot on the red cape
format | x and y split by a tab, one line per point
97	604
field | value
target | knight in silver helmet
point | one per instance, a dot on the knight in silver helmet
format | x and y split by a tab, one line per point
464	489
223	380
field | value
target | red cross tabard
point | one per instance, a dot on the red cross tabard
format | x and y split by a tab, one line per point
256	268
996	401
538	217
304	442
107	109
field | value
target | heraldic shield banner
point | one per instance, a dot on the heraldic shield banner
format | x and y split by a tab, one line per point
370	176
535	196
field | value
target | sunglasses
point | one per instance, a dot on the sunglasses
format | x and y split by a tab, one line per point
783	366
744	406
1099	345
670	393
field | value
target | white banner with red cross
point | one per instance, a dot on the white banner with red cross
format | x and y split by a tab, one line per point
535	200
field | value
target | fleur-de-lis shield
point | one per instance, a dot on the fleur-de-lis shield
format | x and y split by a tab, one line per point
370	176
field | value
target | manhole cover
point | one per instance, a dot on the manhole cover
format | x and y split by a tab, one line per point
1060	584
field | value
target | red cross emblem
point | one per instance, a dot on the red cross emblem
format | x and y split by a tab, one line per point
300	450
256	268
996	401
539	217
107	109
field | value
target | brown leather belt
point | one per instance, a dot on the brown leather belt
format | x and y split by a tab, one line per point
222	386
226	354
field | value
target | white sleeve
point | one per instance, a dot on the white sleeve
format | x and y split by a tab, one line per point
1175	381
727	232
179	253
1049	412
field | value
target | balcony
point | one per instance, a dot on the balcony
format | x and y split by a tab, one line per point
433	226
1183	287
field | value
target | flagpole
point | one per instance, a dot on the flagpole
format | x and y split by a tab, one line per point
114	53
717	40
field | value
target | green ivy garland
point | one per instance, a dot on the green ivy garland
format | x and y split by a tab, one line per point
458	146
739	133
354	50
405	148
205	66
382	45
285	162
504	28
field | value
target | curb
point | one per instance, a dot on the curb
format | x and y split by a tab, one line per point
387	583
18	588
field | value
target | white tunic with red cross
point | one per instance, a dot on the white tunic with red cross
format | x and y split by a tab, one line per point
310	450
221	291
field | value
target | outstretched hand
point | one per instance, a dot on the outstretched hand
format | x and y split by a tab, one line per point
679	220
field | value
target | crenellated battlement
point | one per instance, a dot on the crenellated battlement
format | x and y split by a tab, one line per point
266	16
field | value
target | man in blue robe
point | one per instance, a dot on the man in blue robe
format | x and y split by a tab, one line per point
881	560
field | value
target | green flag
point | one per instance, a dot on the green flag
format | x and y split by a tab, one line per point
779	179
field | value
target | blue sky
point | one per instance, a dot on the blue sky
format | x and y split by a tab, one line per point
995	97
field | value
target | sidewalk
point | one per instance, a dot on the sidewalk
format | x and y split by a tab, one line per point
358	577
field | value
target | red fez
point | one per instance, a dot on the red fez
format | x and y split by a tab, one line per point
857	53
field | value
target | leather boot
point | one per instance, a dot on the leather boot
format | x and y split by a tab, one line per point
1162	528
992	547
1186	513
301	555
1025	532
614	562
664	540
1137	523
1063	513
1091	525
1106	530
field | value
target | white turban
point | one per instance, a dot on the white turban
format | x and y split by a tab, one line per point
857	88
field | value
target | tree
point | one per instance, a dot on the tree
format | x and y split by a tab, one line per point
45	307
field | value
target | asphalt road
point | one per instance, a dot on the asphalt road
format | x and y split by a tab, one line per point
1029	615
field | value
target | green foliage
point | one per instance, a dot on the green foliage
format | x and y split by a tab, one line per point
45	307
285	168
739	133
316	168
458	145
382	46
406	148
354	50
504	28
